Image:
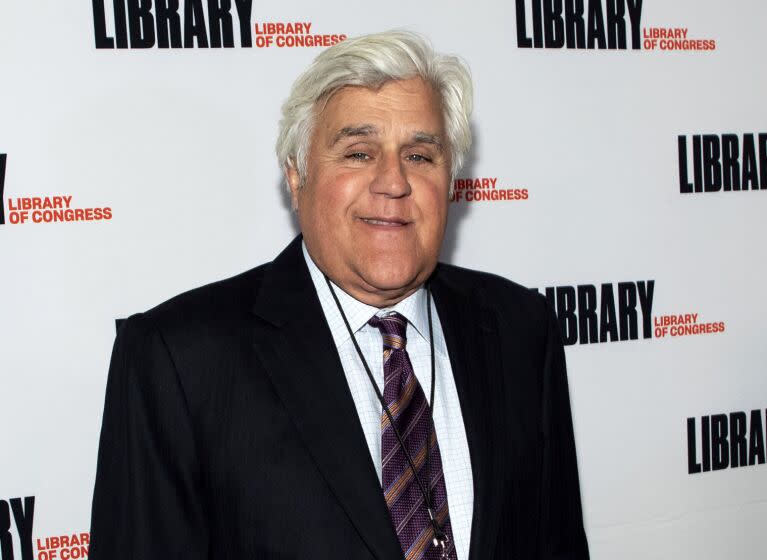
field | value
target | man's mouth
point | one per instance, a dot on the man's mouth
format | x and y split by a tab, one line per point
390	222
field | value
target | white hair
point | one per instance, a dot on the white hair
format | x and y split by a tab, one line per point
371	61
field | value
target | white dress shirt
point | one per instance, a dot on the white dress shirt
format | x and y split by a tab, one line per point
446	410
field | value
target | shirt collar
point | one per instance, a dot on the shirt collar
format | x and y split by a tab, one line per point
413	308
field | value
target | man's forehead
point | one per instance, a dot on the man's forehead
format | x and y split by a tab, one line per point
406	109
367	130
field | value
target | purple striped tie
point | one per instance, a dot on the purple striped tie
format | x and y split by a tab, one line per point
410	410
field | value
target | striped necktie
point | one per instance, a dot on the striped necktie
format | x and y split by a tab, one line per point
410	410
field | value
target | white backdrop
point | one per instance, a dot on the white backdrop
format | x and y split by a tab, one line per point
178	144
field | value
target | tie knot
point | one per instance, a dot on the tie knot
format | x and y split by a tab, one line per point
393	328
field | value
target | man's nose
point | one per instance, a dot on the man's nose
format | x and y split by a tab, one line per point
391	178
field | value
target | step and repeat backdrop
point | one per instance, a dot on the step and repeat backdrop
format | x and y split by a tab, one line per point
619	167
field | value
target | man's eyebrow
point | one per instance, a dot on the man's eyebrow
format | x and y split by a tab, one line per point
350	131
419	137
428	138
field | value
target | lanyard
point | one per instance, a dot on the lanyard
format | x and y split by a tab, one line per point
440	539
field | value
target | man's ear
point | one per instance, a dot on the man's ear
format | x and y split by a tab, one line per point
294	182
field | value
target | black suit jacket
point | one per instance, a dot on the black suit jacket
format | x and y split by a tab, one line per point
229	431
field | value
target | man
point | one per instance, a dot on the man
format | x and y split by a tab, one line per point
352	398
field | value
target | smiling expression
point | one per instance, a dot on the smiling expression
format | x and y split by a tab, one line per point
374	205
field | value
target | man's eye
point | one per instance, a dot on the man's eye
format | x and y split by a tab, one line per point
360	156
418	158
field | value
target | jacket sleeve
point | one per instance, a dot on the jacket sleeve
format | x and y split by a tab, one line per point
561	533
147	502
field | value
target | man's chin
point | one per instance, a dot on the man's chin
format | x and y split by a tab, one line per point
393	283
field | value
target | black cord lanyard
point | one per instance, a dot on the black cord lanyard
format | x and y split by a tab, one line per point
440	539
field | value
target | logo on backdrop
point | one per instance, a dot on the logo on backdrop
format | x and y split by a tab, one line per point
487	189
44	209
23	510
729	440
19	514
597	24
590	314
64	547
722	162
216	24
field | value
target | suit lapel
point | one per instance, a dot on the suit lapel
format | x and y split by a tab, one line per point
472	340
297	349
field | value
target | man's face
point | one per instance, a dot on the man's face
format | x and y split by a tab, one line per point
374	206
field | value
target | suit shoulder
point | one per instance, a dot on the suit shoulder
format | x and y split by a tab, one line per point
511	299
210	304
486	285
198	332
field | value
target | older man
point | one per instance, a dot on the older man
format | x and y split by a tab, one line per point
352	398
